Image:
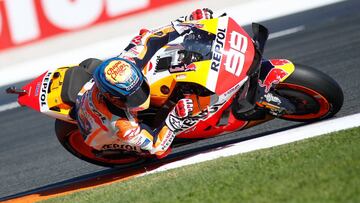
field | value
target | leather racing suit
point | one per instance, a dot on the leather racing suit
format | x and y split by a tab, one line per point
106	127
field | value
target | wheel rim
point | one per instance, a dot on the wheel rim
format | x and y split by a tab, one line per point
78	145
308	111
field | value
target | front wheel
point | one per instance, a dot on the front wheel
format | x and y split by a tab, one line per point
70	138
315	95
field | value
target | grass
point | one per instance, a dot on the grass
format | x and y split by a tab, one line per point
321	169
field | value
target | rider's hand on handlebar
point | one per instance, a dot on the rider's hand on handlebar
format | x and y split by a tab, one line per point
184	107
199	14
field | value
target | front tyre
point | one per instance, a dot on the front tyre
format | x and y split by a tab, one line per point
70	138
315	95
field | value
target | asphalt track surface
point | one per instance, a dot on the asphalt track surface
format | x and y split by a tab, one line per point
31	157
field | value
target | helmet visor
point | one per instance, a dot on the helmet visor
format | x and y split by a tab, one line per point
138	97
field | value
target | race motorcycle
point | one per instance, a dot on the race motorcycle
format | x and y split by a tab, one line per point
219	66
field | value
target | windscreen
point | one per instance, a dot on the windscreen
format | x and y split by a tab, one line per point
199	42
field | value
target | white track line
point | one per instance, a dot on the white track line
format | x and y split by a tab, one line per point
9	106
286	32
268	141
262	10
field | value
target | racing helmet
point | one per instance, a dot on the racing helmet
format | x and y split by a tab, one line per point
122	83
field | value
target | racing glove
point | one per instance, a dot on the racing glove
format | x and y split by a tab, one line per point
176	117
199	14
173	124
184	107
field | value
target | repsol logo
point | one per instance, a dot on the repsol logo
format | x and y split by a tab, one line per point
219	46
44	88
119	146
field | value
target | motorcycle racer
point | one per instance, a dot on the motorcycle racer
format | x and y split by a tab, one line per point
107	106
204	65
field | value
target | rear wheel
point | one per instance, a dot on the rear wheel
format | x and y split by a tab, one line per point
71	139
315	95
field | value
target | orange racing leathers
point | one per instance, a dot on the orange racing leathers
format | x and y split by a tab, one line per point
104	127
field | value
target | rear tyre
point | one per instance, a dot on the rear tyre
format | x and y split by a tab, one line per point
70	138
315	95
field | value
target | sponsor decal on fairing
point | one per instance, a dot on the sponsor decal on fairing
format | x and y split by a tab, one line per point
37	89
182	68
237	57
272	78
217	50
45	85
